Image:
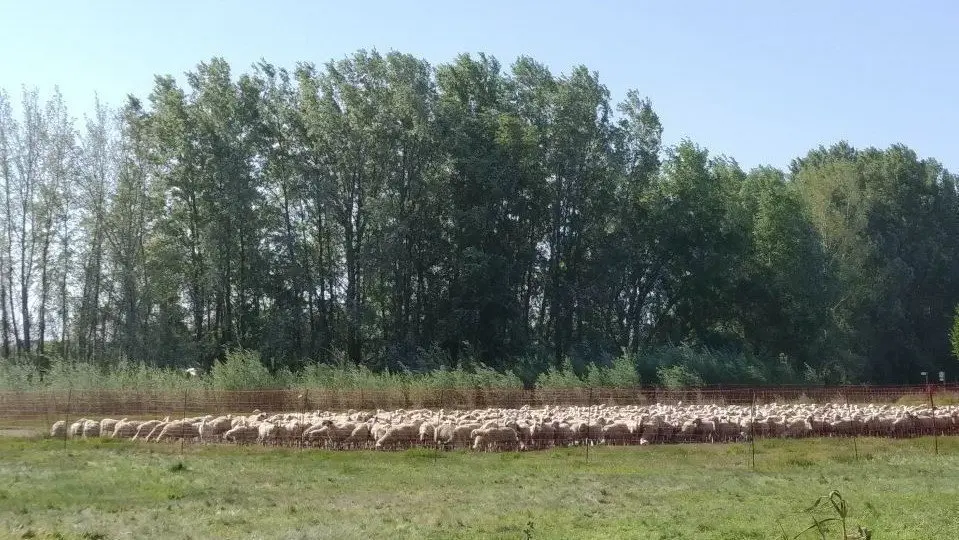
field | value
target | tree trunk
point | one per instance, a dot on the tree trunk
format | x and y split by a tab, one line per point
44	289
4	319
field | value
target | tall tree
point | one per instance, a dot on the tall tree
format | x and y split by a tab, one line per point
8	322
888	220
52	213
98	165
29	143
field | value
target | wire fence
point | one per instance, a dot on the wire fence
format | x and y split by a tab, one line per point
46	405
335	418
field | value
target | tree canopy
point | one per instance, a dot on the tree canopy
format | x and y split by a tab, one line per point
391	214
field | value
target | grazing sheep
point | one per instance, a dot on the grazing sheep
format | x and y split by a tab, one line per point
241	434
107	426
330	434
707	430
360	436
564	434
91	429
460	435
59	429
542	435
426	432
399	436
180	429
616	433
494	438
155	432
524	432
211	430
76	428
125	429
531	427
293	430
144	429
799	427
266	433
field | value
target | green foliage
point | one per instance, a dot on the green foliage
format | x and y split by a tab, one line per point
123	375
620	373
360	377
821	525
15	376
678	377
887	221
468	224
346	377
564	377
243	370
671	367
479	377
686	365
954	334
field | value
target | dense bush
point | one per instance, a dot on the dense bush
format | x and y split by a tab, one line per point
243	370
670	367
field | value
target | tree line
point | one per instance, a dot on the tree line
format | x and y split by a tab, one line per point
381	212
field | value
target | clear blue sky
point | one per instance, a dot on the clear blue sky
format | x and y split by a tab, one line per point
761	81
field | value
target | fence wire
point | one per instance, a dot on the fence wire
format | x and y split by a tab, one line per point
539	418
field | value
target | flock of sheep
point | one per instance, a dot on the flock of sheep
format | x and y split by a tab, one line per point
530	428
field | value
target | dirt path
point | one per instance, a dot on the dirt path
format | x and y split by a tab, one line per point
19	432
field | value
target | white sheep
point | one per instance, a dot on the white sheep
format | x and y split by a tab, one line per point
266	433
241	434
76	428
427	430
125	429
145	429
494	438
359	437
107	425
179	429
616	433
211	430
59	429
536	427
155	432
91	428
399	435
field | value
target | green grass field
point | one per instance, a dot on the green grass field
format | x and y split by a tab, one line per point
113	489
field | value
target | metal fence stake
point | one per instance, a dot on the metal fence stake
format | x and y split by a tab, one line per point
752	434
183	425
935	428
66	418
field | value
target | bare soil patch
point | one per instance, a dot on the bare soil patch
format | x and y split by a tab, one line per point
19	432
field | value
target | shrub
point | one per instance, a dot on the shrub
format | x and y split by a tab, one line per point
564	377
678	377
15	376
622	372
954	334
838	520
242	370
